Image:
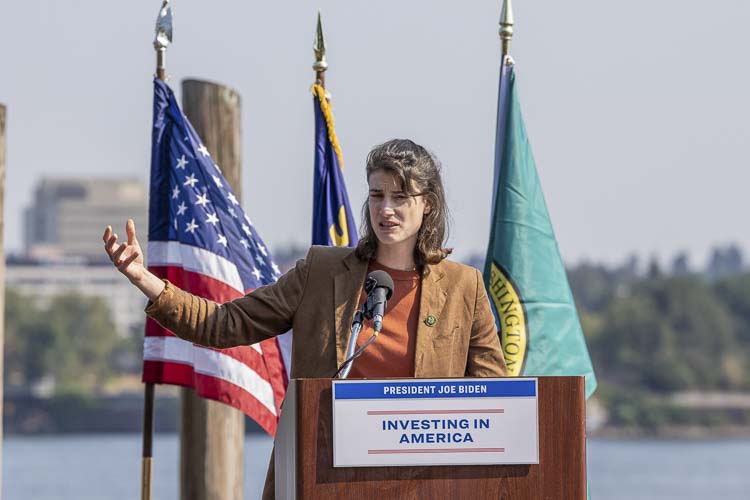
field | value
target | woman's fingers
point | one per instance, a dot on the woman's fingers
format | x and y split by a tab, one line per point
107	237
128	260
118	253
109	246
130	230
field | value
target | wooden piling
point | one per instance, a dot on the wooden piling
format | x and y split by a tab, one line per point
2	268
212	435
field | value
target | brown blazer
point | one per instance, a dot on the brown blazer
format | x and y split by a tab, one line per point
318	299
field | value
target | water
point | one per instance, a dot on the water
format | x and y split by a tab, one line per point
669	470
108	467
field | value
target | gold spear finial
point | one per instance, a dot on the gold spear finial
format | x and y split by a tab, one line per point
506	27
319	47
163	38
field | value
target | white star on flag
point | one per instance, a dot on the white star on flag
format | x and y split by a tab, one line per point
275	268
246	229
217	167
259	259
244	243
202	149
191	227
248	220
212	219
181	162
232	212
181	208
217	180
190	180
222	240
202	199
262	250
257	273
231	198
175	192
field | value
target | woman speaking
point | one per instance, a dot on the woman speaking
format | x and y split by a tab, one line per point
439	322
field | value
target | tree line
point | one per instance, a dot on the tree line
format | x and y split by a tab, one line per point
654	334
68	344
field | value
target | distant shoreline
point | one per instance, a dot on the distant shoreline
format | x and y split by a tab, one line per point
25	415
681	433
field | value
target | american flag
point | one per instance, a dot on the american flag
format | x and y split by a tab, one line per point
203	242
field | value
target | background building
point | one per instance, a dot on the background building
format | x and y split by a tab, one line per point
68	215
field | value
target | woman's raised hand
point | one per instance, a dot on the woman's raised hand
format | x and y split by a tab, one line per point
128	259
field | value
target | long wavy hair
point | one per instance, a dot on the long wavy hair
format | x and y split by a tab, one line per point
419	174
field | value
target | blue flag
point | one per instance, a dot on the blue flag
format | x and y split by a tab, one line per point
333	224
536	317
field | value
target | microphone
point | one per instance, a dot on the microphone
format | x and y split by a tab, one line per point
379	288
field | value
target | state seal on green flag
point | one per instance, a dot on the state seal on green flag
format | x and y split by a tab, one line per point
524	274
511	319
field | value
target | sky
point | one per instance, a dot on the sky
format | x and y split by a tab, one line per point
636	111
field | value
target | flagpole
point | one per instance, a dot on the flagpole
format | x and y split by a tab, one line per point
148	438
506	28
162	39
319	47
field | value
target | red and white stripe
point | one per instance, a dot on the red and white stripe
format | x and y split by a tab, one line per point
252	379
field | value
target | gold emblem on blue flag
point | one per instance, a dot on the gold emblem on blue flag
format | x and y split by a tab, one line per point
333	224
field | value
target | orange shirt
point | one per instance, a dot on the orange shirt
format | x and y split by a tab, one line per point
392	353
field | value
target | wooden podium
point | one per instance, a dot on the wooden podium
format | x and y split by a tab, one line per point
304	455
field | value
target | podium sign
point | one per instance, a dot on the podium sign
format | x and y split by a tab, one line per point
414	422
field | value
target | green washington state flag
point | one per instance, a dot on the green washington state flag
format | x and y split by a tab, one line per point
536	317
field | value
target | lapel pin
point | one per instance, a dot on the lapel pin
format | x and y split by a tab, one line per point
430	320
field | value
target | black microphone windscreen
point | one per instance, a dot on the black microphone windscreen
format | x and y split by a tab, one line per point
380	279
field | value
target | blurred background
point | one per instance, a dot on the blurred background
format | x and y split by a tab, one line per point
636	112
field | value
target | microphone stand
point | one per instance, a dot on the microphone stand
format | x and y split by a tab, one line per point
348	363
369	307
346	366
